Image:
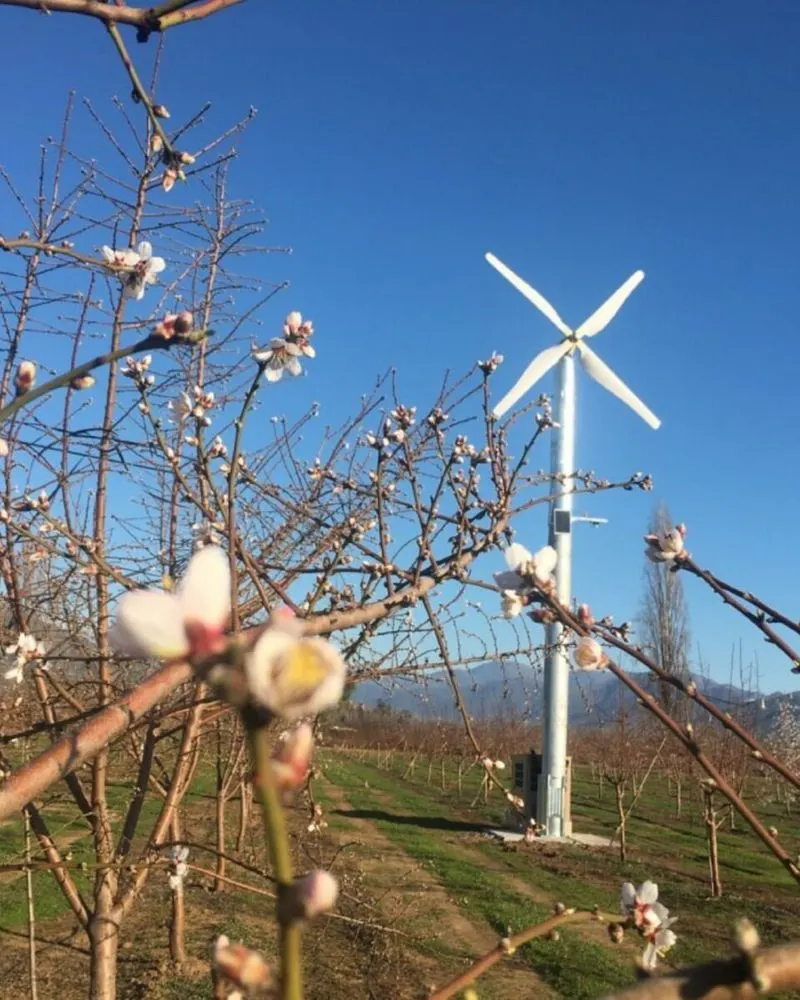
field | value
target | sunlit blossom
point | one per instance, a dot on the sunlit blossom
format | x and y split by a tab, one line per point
190	621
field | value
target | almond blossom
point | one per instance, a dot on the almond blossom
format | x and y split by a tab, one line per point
25	378
178	856
292	761
522	564
589	654
511	604
315	894
659	943
291	675
665	546
189	622
240	966
284	353
142	268
641	904
26	650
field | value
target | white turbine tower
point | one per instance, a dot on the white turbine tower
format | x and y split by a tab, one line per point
551	804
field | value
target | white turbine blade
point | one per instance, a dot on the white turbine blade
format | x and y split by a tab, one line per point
601	373
530	294
541	363
601	317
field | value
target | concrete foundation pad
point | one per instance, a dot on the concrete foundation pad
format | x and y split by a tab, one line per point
587	839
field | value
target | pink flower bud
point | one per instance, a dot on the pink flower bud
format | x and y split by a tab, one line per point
240	966
168	181
292	762
25	378
184	322
186	158
585	616
315	894
3	447
156	143
589	654
82	382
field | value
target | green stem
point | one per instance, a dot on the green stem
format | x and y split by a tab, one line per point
277	841
149	343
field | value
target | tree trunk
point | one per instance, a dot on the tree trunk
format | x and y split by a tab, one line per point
678	798
460	766
103	952
619	789
713	846
177	926
430	770
32	980
244	813
219	885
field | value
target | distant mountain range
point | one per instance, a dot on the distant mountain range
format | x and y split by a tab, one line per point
494	689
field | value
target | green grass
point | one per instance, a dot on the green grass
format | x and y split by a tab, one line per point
670	851
576	968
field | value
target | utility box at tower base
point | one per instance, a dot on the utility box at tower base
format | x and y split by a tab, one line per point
526	770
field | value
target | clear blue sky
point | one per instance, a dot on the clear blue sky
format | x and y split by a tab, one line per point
397	142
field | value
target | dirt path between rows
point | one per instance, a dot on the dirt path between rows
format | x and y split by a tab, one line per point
413	895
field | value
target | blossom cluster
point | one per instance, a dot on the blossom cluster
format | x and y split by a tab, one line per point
650	918
284	353
285	672
25	650
137	268
665	546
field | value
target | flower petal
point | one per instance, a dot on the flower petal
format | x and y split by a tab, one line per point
295	677
145	250
664	940
650	956
545	561
516	555
628	895
309	351
150	623
293	367
273	374
205	592
156	265
508	580
647	892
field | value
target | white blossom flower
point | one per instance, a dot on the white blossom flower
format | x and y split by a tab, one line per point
143	268
26	649
522	564
658	944
281	356
291	675
589	654
189	622
218	448
665	546
641	903
511	604
178	856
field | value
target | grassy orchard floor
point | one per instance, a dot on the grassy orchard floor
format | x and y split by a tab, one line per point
504	885
409	858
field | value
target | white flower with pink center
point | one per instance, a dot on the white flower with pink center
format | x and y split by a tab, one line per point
189	622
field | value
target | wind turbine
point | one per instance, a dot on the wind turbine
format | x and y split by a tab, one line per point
552	806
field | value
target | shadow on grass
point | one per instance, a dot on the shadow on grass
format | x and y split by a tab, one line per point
424	822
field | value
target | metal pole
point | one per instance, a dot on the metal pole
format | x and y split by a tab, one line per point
552	804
